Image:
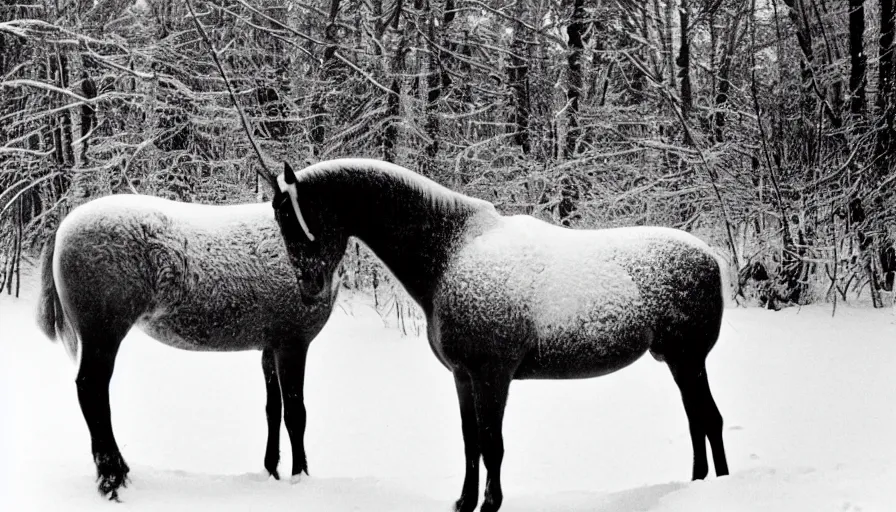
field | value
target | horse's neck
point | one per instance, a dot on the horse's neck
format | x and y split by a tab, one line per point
416	251
414	235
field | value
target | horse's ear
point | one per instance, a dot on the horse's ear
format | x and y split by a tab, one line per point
288	175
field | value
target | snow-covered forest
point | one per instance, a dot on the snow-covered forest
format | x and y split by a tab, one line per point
763	126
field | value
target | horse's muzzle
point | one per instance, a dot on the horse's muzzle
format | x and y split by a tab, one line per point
315	288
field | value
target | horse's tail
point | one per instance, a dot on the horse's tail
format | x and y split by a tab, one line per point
50	315
724	275
48	305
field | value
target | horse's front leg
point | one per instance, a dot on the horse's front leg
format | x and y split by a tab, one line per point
98	353
291	372
469	497
490	390
273	410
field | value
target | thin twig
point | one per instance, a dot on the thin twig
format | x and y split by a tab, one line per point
48	87
366	75
26	189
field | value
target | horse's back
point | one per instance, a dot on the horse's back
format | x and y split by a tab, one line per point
193	276
577	303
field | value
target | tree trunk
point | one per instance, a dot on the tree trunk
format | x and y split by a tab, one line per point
684	62
393	111
88	114
62	131
447	18
393	104
857	59
724	74
668	49
574	78
886	92
318	110
437	80
433	93
832	51
518	77
797	13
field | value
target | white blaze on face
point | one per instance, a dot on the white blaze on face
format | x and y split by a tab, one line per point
291	191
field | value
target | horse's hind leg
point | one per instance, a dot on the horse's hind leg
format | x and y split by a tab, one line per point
98	350
704	419
469	496
273	410
713	422
291	372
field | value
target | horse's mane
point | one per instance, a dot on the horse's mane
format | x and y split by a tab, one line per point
437	195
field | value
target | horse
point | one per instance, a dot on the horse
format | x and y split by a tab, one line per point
195	277
513	297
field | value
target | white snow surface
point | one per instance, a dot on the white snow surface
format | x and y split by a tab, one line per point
809	403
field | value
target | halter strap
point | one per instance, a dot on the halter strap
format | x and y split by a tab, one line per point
293	195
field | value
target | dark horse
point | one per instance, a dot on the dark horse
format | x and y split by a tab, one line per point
514	297
195	277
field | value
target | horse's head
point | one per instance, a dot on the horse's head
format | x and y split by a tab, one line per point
315	247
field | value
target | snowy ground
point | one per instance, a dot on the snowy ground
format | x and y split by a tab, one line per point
808	402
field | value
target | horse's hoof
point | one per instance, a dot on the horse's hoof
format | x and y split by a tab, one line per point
297	474
271	467
112	475
271	461
492	502
490	506
466	504
700	473
109	486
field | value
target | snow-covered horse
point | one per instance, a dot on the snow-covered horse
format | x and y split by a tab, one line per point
514	297
195	277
